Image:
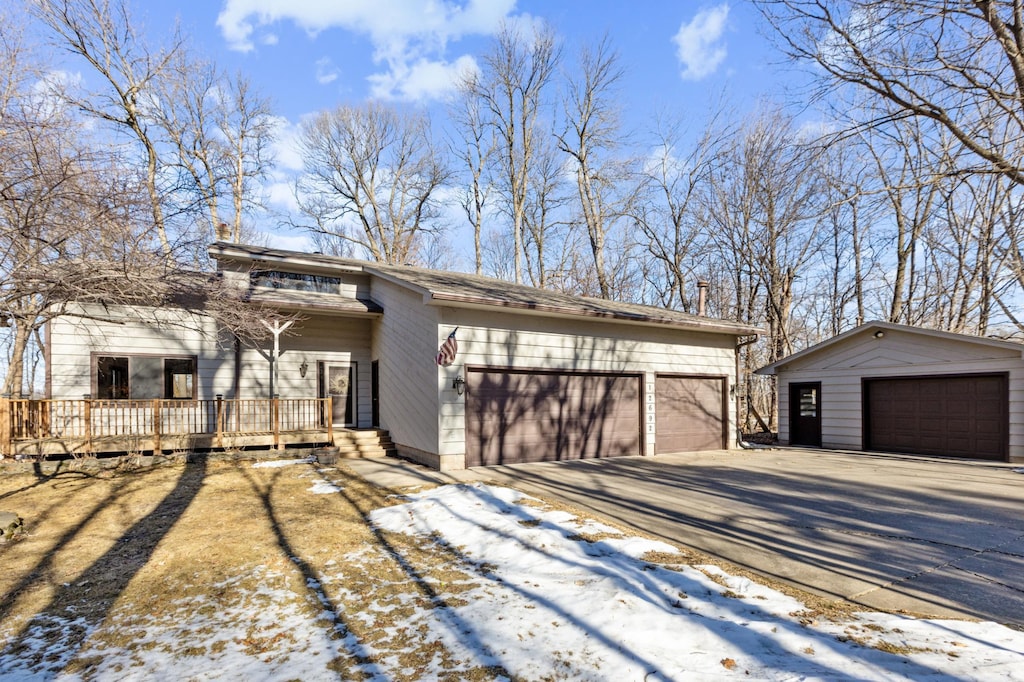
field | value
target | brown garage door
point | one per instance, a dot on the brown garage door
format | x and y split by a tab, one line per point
523	416
954	416
689	413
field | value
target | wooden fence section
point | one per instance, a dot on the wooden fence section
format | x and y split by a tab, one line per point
82	427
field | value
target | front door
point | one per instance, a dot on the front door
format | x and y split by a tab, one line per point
805	414
338	381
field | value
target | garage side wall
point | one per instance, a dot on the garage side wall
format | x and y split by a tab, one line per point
510	340
842	367
404	342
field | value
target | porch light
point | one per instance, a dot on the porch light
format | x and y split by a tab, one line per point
879	334
459	384
303	368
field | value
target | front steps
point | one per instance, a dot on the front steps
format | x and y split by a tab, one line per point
357	444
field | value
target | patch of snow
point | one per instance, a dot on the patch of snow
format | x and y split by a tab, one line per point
322	487
277	463
559	606
550	596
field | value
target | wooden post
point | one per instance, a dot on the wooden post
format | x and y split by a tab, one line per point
156	427
87	416
330	420
219	439
275	408
5	426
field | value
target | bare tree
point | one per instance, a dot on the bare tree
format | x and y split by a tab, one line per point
957	65
764	206
910	176
371	178
103	33
669	213
513	86
220	131
592	142
473	149
544	200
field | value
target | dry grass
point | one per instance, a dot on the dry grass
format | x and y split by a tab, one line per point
110	554
114	551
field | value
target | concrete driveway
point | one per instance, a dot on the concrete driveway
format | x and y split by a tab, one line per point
927	536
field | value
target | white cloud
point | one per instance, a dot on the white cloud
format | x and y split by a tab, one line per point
408	36
326	71
422	80
699	43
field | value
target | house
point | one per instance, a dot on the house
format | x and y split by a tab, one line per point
538	375
893	388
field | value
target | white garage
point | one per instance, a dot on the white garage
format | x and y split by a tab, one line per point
894	388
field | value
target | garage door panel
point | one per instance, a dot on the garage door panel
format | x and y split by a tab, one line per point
689	413
521	416
958	416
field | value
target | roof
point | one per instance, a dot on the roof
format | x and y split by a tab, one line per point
456	289
876	326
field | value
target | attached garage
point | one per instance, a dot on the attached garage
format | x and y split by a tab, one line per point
690	413
516	416
895	388
951	416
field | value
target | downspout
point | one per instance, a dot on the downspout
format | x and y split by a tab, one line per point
739	431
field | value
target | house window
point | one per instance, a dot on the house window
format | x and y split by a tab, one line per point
297	281
178	378
145	377
112	378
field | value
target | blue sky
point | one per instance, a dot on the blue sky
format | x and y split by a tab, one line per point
308	55
311	54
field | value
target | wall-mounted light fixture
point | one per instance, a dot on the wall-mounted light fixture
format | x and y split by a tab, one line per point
303	368
459	384
879	334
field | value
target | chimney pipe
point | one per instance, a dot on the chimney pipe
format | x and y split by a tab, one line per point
702	297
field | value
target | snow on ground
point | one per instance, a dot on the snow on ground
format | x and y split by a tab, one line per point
559	605
555	597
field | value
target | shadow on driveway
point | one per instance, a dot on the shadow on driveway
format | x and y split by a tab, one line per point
929	537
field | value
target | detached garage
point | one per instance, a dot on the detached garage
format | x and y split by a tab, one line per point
893	388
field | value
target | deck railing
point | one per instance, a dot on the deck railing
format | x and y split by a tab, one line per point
86	424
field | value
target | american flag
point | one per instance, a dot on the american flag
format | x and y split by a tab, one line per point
446	354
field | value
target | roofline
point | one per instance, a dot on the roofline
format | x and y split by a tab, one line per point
706	325
879	325
285	256
710	326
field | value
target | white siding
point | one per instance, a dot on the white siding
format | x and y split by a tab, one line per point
319	338
339	340
141	332
842	367
405	343
507	339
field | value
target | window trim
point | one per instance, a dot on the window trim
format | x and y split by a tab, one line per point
95	356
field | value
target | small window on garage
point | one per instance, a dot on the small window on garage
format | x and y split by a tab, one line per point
809	402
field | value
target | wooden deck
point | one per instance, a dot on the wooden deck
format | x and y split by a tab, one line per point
46	428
